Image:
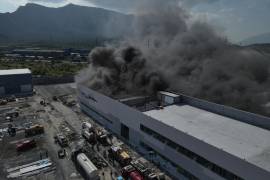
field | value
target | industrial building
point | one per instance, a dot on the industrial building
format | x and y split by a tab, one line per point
17	82
188	137
40	52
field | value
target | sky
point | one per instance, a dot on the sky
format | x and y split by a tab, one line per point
237	19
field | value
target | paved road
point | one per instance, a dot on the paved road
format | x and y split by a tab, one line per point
63	113
74	118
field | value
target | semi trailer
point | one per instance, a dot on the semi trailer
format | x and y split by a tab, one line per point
85	166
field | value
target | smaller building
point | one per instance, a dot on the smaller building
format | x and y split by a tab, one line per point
17	82
47	53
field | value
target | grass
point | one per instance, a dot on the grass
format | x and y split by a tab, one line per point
44	68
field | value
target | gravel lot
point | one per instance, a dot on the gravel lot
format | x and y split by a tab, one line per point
55	117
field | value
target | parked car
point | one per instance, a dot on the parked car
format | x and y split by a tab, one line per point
11	99
8	118
61	153
3	102
12	114
55	98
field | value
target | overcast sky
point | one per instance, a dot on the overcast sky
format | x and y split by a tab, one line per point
239	19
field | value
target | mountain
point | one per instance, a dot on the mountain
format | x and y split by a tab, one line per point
259	39
71	23
261	48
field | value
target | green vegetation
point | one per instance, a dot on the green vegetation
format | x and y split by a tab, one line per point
44	68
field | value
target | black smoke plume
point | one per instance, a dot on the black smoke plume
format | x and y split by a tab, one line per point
169	51
118	72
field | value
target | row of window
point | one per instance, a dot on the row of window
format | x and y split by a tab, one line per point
180	170
204	162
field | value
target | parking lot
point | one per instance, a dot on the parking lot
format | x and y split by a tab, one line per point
55	108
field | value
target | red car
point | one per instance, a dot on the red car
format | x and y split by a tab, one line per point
25	145
135	175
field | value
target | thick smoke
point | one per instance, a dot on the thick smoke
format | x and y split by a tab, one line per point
167	50
118	72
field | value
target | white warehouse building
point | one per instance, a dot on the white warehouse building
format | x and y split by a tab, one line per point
187	137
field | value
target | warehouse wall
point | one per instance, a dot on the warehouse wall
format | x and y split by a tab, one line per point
47	80
19	85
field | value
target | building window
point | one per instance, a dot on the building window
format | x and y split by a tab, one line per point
179	169
184	151
124	131
186	173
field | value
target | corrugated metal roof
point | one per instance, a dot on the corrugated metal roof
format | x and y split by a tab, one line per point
14	71
237	138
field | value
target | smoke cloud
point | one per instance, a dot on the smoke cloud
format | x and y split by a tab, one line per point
131	6
168	51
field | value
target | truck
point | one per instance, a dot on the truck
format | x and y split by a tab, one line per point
89	136
135	175
25	145
87	126
34	130
88	132
129	172
101	135
61	140
120	155
85	166
143	170
139	166
92	134
82	163
125	171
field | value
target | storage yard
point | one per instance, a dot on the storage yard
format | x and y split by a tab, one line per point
46	136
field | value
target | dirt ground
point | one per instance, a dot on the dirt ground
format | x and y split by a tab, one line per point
56	117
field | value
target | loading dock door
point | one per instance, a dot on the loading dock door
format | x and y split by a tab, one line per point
2	90
124	131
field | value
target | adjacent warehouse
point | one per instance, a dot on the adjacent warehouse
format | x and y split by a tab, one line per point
40	52
188	137
17	82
